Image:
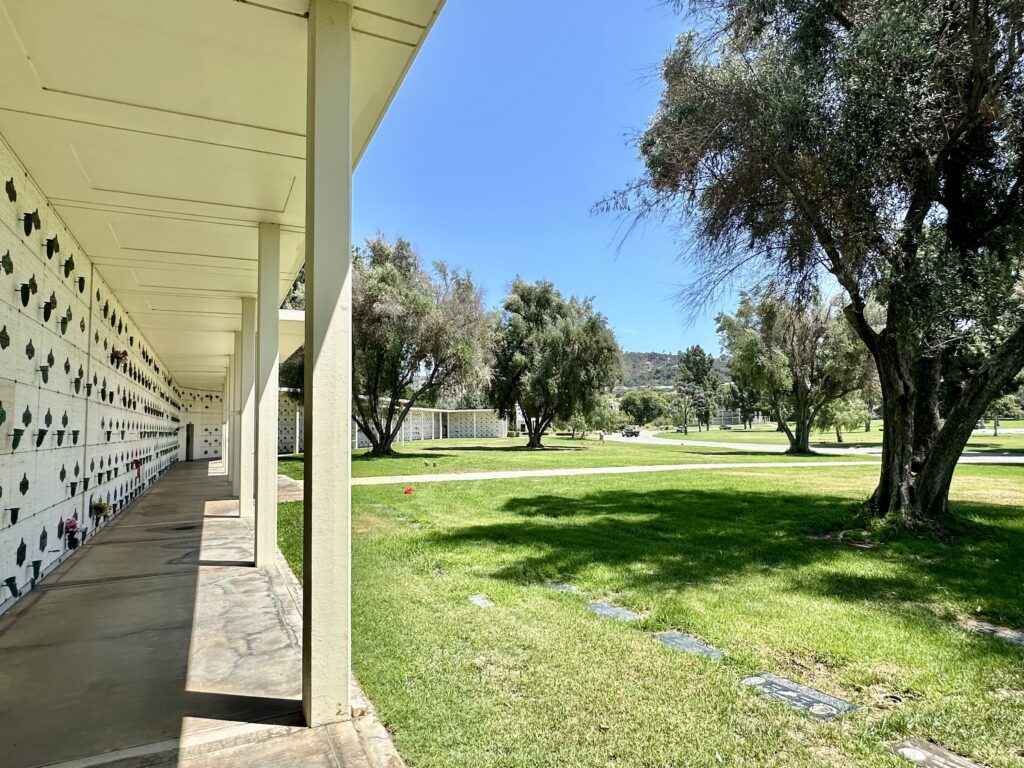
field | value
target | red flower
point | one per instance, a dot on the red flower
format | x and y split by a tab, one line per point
408	490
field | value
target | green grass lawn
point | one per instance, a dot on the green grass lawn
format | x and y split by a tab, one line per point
469	455
983	441
740	558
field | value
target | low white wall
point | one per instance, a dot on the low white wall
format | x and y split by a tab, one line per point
420	424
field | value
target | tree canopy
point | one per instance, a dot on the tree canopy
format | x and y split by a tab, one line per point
697	386
643	406
552	357
416	334
881	141
801	358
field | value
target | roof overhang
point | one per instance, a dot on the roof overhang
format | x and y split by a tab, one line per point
164	131
291	331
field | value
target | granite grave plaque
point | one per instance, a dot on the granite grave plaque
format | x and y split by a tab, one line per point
921	752
482	600
683	642
560	586
610	611
1011	636
815	703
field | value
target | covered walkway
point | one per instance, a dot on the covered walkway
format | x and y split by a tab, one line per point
168	167
161	643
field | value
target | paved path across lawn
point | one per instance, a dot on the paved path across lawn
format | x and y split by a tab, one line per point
291	490
968	457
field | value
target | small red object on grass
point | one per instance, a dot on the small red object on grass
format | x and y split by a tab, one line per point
408	490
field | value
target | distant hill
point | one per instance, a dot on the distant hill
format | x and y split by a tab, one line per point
649	369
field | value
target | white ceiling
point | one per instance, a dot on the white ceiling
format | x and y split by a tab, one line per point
163	131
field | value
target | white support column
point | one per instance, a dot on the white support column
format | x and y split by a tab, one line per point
236	421
267	360
225	419
326	590
474	424
247	410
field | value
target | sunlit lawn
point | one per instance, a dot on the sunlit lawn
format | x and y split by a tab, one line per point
981	440
469	455
732	556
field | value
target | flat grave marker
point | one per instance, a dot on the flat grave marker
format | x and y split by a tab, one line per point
1011	636
560	586
921	752
815	703
481	600
610	611
683	642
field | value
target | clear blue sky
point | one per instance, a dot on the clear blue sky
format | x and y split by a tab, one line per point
511	124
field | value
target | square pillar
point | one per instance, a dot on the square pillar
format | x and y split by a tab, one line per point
225	421
267	361
326	588
236	388
247	410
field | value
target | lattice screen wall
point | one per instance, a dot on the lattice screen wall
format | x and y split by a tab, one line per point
87	412
420	424
289	424
475	424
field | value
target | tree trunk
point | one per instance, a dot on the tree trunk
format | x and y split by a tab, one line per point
839	435
894	493
380	445
784	427
932	487
927	420
381	438
803	415
535	428
381	448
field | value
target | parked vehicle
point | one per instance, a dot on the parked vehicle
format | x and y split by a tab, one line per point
681	429
631	431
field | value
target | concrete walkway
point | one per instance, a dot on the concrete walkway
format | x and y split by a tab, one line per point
160	643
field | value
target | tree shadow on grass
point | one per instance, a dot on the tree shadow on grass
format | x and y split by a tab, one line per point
679	538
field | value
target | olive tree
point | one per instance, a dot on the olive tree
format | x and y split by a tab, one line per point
801	358
416	334
551	357
879	141
843	415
